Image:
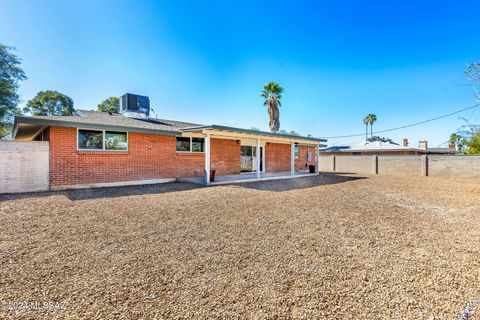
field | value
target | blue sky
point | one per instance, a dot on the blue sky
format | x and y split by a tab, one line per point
206	61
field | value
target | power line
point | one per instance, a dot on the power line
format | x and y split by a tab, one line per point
406	126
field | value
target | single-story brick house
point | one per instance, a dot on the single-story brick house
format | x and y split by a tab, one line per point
92	149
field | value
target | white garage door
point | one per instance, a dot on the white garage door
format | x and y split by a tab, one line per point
24	166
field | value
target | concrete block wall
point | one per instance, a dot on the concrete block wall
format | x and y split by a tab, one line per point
325	163
400	166
354	164
434	166
24	166
457	166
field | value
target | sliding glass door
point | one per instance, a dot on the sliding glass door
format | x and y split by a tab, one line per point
248	158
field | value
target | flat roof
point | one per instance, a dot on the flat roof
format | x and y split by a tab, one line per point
369	146
250	131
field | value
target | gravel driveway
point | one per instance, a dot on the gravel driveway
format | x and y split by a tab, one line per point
327	247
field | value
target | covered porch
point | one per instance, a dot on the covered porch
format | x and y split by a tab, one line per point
246	177
253	155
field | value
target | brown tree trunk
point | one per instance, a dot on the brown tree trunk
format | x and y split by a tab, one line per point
274	115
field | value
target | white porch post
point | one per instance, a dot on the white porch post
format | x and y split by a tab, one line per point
317	153
207	159
292	159
259	154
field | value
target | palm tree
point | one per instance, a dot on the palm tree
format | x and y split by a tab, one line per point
373	119
272	93
457	140
366	122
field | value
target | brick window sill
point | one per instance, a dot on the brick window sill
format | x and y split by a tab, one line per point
118	153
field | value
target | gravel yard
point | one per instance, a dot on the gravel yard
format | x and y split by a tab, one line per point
327	247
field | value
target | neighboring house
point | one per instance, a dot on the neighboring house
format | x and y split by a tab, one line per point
99	149
385	147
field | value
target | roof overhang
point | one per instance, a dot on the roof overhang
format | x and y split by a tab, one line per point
26	131
235	133
24	126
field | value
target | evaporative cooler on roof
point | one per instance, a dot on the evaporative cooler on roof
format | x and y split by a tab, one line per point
134	104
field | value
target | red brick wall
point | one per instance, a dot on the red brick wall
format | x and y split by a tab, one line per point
189	164
302	159
277	157
226	156
150	156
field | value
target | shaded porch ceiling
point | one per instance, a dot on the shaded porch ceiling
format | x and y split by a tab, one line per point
237	133
27	131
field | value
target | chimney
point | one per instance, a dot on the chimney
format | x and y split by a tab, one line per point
423	144
405	142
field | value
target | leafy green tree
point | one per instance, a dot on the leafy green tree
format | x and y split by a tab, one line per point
50	103
294	133
471	137
467	138
291	133
111	104
473	73
272	93
10	76
474	145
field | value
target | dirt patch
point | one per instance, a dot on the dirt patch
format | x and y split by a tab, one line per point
329	247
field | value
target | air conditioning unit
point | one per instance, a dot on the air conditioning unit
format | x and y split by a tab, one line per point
134	106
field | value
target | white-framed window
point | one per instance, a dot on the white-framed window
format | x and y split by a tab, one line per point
190	144
102	140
